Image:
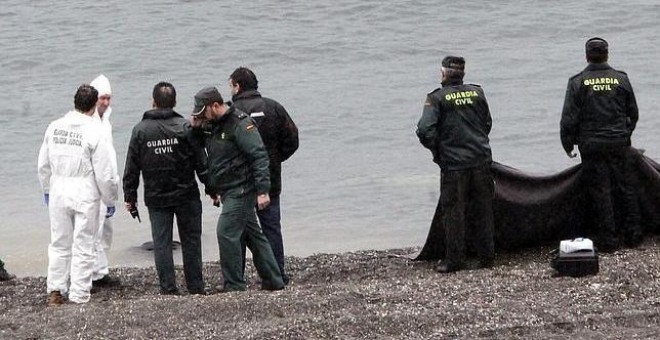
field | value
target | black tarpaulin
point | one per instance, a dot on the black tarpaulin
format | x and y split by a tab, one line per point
539	210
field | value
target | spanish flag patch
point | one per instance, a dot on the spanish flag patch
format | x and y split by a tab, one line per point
250	127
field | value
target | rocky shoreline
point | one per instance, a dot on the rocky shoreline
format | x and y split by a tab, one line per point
363	295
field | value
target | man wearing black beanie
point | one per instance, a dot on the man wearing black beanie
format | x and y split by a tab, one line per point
599	116
455	125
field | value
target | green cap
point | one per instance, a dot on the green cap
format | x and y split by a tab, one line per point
204	97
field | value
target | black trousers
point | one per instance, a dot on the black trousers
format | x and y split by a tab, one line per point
189	221
467	206
269	219
611	188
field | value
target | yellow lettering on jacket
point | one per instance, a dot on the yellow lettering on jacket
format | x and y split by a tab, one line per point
601	81
461	97
602	87
461	94
601	84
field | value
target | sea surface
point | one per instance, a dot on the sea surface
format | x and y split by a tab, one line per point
353	75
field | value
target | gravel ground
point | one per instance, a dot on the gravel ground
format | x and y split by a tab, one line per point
364	295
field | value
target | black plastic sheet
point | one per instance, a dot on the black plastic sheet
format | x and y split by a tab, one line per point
540	210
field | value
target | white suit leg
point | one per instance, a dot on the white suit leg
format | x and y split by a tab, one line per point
59	249
102	244
82	260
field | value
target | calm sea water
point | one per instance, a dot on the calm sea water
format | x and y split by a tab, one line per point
353	75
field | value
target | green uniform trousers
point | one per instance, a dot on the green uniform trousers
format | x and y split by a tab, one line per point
238	220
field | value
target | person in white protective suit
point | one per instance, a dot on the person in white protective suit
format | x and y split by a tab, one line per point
101	275
76	173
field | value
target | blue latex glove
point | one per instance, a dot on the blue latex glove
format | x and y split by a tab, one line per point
110	212
46	198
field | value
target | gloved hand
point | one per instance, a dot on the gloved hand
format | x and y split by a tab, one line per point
46	198
110	212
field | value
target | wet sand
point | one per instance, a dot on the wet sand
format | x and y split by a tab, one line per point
363	295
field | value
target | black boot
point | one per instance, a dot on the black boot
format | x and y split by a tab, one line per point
106	281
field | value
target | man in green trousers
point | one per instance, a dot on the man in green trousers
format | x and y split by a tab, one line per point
238	177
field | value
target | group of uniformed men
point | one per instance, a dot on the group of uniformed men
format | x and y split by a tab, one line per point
236	152
599	115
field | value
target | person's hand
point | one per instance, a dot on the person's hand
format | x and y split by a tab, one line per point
215	199
46	198
129	206
132	209
263	200
110	212
196	121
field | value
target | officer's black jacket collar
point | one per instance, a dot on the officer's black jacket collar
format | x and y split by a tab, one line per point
246	94
597	67
160	114
452	82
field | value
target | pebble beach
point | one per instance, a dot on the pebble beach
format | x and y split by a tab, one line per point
363	295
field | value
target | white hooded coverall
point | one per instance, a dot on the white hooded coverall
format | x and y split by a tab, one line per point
75	168
106	226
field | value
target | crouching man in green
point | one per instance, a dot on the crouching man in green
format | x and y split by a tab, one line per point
239	178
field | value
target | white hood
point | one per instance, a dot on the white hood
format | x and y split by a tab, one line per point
102	84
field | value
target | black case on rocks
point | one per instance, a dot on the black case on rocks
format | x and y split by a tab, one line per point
580	263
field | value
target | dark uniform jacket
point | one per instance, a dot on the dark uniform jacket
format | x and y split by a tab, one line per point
455	125
237	158
163	148
599	108
278	131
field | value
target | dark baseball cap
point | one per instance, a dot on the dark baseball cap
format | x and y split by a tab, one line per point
456	63
596	46
204	97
